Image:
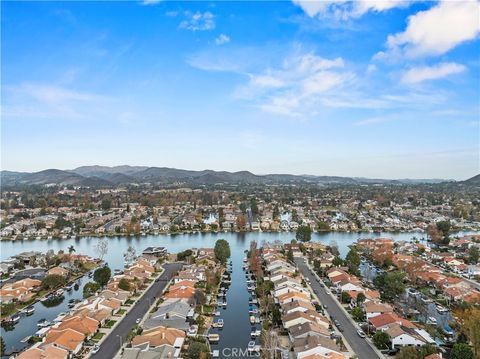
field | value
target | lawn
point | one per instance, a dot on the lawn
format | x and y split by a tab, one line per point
121	312
109	323
98	336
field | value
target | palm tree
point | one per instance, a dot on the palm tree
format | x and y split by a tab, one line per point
71	249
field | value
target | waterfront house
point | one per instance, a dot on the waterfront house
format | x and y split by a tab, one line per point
183	290
43	352
297	318
68	339
160	336
307	329
302	345
296	306
172	313
58	271
85	325
292	297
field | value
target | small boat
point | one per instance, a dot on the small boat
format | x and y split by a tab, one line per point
253	311
224	304
432	320
255	333
14	318
245	260
43	323
441	309
217	313
29	310
216	353
59	292
213	338
49	237
257	320
69	287
218	323
252	319
46	298
117	271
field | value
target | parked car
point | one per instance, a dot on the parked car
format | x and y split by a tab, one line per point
361	334
95	349
138	320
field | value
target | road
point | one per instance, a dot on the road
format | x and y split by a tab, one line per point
360	346
111	344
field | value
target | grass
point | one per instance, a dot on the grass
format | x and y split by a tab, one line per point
98	336
121	312
129	302
109	323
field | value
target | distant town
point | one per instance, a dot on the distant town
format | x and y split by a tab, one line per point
50	210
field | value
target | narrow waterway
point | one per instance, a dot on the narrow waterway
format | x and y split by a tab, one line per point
235	334
27	326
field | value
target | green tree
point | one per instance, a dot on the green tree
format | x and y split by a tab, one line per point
357	314
124	284
304	233
360	298
381	339
346	297
461	351
71	249
222	250
53	281
102	275
408	353
197	350
391	284
323	226
90	288
473	255
106	204
353	260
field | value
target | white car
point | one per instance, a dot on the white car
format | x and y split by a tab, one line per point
328	292
361	333
95	349
138	320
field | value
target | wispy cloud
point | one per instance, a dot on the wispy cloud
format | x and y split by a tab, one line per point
222	39
150	2
435	72
198	21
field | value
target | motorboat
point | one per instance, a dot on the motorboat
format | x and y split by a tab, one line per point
252	319
218	323
59	292
14	318
213	338
245	260
69	287
29	310
432	320
224	304
255	333
43	323
217	313
441	309
252	347
257	320
253	311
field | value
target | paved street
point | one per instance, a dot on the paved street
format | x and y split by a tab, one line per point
361	348
111	344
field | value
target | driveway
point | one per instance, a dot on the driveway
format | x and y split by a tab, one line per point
111	345
361	348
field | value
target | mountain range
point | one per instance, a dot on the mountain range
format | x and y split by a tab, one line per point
104	176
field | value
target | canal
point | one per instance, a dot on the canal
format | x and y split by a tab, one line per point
27	326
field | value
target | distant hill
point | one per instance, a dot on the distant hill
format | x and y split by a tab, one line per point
104	176
475	180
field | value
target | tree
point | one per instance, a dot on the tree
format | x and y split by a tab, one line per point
181	256
470	324
2	347
304	233
473	255
199	297
357	314
124	284
408	353
461	351
90	288
353	260
102	275
53	281
197	350
102	247
106	204
346	297
381	339
241	221
71	249
360	298
222	250
323	226
130	254
391	284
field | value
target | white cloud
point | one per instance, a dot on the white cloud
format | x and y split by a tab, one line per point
435	31
345	9
151	2
425	73
198	21
222	39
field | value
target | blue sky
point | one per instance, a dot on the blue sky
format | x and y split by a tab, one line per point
376	89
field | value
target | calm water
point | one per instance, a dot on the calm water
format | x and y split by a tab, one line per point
236	332
27	325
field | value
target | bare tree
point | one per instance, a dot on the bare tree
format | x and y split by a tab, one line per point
102	247
269	340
